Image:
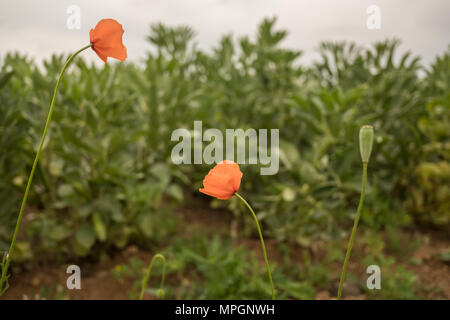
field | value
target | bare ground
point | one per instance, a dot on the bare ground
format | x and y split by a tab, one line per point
98	283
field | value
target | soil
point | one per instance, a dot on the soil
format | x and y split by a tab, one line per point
98	282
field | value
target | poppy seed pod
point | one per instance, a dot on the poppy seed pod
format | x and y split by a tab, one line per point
365	142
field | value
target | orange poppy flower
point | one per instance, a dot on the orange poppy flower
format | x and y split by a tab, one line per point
106	40
222	181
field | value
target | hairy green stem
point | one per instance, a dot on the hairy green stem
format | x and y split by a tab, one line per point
147	275
5	264
262	242
355	226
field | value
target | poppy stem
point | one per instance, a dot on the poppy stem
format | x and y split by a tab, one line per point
262	242
147	276
355	226
7	259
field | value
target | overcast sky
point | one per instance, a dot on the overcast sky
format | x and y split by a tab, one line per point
38	27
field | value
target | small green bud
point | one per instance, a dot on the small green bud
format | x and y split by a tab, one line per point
160	294
365	142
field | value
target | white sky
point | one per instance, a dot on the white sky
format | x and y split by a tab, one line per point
38	27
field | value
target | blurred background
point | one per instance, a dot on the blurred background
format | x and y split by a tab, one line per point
107	196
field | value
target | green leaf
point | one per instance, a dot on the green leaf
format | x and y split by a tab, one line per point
56	167
289	155
65	190
4	78
59	232
145	224
85	236
99	226
162	172
22	252
175	192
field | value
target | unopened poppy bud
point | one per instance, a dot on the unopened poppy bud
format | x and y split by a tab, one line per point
160	294
365	142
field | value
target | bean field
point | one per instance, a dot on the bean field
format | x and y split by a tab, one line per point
107	195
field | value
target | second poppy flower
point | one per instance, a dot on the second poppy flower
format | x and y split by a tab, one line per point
222	181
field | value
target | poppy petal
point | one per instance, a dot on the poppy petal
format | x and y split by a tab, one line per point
222	181
106	39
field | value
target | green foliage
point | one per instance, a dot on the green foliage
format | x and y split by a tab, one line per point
96	183
134	269
13	158
105	178
396	282
203	268
430	195
219	271
49	292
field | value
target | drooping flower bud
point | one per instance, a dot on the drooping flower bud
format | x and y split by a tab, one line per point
365	142
160	293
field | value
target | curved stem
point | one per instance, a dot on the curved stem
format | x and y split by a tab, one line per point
262	242
5	264
355	226
149	270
